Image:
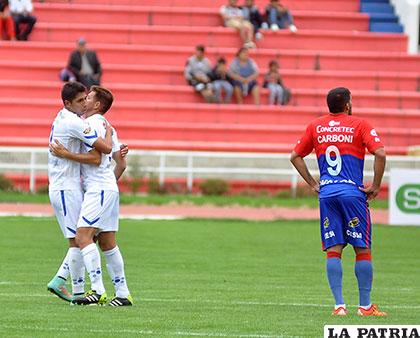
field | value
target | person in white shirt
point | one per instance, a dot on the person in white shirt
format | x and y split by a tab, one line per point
100	208
65	190
21	11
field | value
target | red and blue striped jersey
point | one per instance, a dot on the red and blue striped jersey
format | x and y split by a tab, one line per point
340	142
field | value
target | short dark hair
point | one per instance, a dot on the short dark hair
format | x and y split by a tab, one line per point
337	99
200	48
240	50
104	96
221	61
70	91
273	63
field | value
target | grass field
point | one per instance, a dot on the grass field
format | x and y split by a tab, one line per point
204	278
252	201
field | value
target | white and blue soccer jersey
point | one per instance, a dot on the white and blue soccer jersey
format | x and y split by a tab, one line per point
65	190
100	178
100	207
71	131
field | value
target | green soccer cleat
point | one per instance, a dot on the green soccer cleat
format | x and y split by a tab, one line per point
119	301
57	286
91	298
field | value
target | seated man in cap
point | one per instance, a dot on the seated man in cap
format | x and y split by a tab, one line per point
83	66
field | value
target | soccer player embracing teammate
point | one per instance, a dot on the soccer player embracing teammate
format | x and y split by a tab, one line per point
99	212
340	141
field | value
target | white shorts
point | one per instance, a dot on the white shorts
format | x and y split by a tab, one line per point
67	205
100	209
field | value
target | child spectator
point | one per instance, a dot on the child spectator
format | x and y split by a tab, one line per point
272	80
6	21
197	73
234	17
253	15
21	11
279	16
244	72
221	81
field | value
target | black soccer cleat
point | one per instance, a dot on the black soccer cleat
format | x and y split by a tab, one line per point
118	301
90	298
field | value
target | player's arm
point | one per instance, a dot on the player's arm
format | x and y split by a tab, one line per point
121	163
301	167
104	145
378	173
92	157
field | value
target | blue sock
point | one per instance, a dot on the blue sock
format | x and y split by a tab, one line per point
364	273
335	279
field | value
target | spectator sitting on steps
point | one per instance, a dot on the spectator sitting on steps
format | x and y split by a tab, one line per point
253	15
244	72
21	11
278	92
6	21
222	82
234	17
279	16
83	66
197	73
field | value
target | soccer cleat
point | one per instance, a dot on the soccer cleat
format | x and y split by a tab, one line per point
118	301
57	286
90	298
373	311
340	311
77	296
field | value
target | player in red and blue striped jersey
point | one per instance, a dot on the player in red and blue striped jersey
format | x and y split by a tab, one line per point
340	141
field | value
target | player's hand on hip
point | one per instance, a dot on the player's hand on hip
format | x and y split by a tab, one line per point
371	192
316	188
124	150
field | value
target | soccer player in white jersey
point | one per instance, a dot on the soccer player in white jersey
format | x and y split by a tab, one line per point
100	208
65	189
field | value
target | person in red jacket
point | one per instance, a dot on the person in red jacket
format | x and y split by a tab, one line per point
7	28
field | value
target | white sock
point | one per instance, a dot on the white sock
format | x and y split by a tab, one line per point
115	265
92	261
77	270
366	307
64	270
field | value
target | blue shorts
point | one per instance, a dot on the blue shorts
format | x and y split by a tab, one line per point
246	89
345	220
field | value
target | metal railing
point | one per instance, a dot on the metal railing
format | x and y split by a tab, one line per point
13	159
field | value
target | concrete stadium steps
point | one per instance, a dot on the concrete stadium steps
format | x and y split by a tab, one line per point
208	113
180	94
173	75
226	133
176	56
218	37
181	16
310	5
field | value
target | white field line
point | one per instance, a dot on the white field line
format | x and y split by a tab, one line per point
221	302
122	216
144	332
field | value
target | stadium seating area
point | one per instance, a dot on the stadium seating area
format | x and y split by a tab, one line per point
143	49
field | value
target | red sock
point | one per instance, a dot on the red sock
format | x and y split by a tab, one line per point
333	254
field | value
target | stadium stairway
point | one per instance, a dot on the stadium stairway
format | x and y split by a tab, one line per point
143	46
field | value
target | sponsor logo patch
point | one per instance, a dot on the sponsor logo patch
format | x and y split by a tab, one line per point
354	222
326	222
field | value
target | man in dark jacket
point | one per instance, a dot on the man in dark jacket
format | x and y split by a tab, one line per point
83	66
